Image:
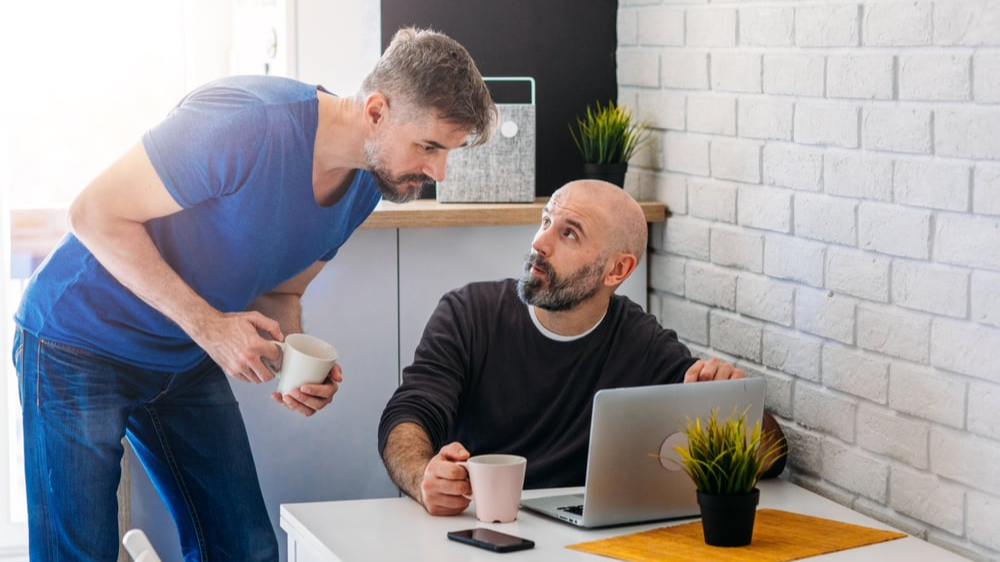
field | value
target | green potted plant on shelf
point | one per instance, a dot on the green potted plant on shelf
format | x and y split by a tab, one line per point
607	137
725	460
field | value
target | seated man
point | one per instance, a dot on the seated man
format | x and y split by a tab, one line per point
512	366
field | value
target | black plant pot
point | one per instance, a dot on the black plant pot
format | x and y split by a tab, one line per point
728	520
612	173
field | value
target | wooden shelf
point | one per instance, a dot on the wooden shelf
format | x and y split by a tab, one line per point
428	213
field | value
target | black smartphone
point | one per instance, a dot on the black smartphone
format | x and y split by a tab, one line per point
491	540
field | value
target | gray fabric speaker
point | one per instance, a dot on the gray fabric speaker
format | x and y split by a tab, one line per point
503	169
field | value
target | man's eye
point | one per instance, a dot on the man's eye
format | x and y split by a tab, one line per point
570	234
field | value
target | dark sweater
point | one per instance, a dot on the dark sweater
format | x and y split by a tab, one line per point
483	375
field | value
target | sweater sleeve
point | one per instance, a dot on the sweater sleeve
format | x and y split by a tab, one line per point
433	384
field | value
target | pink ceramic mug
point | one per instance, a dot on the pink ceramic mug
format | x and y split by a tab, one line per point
496	482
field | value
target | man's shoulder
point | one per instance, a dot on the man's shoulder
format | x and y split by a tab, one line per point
242	89
488	288
629	308
630	318
480	294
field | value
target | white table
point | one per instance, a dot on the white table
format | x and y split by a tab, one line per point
383	530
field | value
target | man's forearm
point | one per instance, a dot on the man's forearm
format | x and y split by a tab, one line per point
407	451
125	249
285	308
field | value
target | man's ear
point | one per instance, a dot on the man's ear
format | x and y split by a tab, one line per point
376	107
622	265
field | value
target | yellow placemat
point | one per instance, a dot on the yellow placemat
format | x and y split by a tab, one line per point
778	536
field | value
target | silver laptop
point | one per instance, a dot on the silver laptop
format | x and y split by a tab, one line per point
633	472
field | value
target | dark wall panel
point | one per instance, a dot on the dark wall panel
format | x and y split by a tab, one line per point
568	46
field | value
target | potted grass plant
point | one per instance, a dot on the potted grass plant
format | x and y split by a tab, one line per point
607	137
725	459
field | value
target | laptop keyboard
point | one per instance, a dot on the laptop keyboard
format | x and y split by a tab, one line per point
577	509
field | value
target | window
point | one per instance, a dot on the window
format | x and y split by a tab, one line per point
83	81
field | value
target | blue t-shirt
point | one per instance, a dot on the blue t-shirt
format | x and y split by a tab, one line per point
237	155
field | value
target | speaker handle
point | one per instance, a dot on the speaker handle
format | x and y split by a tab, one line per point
528	79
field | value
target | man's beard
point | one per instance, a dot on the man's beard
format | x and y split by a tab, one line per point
554	293
394	189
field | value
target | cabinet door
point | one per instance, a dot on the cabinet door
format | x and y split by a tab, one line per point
331	455
433	261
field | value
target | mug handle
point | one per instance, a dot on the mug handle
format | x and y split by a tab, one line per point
465	465
281	345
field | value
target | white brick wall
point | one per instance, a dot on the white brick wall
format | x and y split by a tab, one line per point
824	314
794	73
986	68
940	185
860	76
712	199
857	373
794	259
895	332
935	77
931	288
833	172
767	26
789	165
788	352
984	414
736	72
918	391
968	132
828	219
926	497
986	190
827	124
860	274
764	118
861	176
686	154
986	297
897	129
763	298
737	248
895	230
764	207
711	285
905	23
966	241
736	160
734	335
711	114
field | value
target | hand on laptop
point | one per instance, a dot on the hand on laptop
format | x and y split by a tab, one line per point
712	370
445	489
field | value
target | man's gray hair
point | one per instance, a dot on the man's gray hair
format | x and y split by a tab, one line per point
424	69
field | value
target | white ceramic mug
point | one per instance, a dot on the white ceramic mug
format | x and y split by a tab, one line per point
304	360
497	481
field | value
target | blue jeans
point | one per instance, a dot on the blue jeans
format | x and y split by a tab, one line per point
186	430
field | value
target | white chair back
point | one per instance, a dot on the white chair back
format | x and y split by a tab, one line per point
138	547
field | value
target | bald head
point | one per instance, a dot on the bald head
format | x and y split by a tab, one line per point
620	216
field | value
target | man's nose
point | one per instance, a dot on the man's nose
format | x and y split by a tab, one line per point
435	166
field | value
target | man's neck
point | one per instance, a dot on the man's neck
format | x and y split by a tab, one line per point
339	148
577	320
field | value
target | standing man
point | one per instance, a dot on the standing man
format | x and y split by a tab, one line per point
187	256
512	366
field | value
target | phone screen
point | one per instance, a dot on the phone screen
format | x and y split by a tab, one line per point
491	540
